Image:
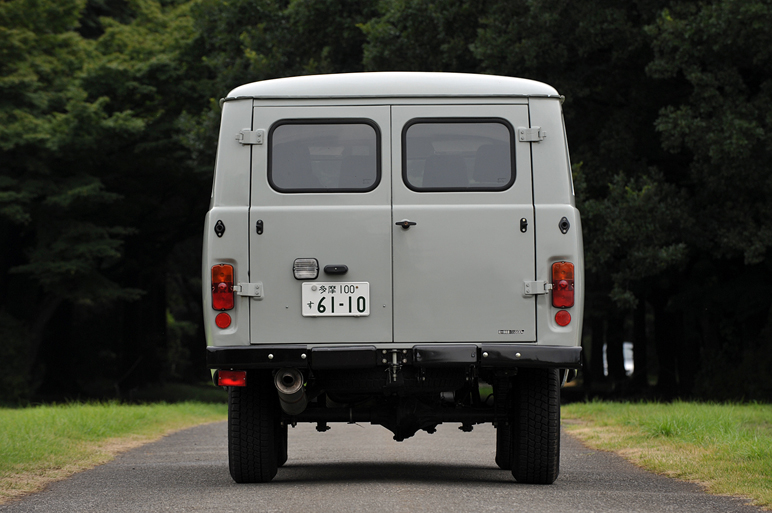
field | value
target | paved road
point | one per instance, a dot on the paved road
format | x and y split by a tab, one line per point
359	468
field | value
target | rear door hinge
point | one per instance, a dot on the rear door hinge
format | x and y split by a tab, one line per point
534	134
254	290
535	288
247	136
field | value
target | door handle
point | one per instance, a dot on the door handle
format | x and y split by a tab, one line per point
336	269
405	224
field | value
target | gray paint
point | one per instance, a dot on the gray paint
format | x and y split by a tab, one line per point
457	276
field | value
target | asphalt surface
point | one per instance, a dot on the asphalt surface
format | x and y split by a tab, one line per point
360	468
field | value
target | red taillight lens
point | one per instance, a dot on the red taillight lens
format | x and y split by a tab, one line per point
562	284
222	287
231	378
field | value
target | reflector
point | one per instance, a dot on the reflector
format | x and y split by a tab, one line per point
563	318
223	320
562	284
231	378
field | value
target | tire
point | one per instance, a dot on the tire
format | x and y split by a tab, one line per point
502	395
504	446
536	430
253	413
281	445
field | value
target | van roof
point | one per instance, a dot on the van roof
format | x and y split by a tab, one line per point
392	84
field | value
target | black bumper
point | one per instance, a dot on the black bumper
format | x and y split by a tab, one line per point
365	356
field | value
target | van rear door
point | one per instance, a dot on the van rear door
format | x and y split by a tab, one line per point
459	271
321	195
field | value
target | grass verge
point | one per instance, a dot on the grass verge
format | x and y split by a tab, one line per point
725	448
42	444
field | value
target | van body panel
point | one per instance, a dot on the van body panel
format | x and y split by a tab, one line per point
459	273
335	228
552	182
555	246
233	159
230	249
482	302
393	85
323	233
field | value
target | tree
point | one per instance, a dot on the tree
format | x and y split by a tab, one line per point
720	124
423	35
109	116
97	188
596	54
140	67
52	185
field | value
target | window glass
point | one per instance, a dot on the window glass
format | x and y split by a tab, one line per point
307	156
451	155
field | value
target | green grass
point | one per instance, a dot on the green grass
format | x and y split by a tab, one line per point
727	448
179	392
45	443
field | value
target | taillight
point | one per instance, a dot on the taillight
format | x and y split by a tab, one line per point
222	287
562	284
231	378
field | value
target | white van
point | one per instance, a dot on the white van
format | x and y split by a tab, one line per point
401	249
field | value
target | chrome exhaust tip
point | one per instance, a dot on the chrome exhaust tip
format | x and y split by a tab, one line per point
292	394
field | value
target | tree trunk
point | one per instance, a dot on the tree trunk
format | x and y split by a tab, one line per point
48	308
144	350
640	349
665	324
596	351
615	334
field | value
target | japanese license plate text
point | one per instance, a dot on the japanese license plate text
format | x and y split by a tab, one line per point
335	299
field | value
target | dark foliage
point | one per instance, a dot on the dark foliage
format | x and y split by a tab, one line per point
108	126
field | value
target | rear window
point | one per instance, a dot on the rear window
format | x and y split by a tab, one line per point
324	156
458	155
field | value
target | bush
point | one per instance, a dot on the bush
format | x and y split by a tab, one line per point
15	386
726	376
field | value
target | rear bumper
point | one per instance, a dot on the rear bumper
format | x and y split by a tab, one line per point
368	356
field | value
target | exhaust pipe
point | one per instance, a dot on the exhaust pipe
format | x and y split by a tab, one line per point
292	395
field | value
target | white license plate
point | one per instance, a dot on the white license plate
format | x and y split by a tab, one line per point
336	299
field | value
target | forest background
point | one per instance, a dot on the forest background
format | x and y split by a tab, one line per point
109	116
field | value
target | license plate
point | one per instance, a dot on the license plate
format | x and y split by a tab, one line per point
335	299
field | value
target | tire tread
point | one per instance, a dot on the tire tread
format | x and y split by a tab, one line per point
536	430
252	422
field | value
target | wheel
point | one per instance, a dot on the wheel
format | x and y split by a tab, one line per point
504	446
502	396
281	445
253	413
536	428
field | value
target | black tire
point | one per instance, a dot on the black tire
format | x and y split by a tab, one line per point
504	446
281	445
253	413
536	430
502	395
